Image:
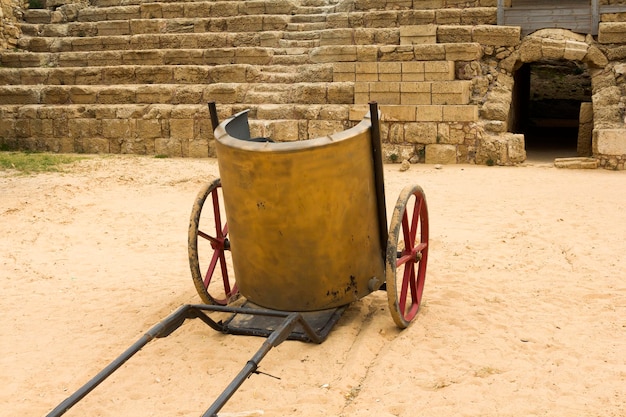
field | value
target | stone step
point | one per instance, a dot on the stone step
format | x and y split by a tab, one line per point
213	56
151	10
226	93
576	163
262	23
245	55
166	74
305	27
150	41
167	129
272	39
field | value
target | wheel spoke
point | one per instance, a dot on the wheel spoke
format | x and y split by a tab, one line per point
406	264
210	290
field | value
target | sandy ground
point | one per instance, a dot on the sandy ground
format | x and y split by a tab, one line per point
524	311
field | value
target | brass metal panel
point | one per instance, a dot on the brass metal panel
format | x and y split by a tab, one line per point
302	218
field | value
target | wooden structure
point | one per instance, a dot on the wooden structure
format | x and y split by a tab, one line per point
580	16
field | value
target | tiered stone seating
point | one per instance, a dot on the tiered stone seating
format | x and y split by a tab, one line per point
135	76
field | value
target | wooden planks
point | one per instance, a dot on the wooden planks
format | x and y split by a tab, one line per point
581	16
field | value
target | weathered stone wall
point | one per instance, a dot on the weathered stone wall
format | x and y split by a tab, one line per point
9	15
441	70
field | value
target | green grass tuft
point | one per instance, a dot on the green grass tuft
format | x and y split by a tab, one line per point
29	163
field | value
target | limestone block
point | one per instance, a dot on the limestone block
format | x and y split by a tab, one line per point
149	128
82	95
344	71
423	133
496	35
90	14
380	19
271	23
116	75
552	48
116	128
189	74
283	130
412	71
616	53
336	37
434	52
142	26
367	53
153	75
396	53
595	58
609	142
41	128
457	92
458	113
389	71
366	71
396	153
439	70
418	34
495	110
70	59
415	93
196	9
340	93
168	146
361	93
357	112
123	13
586	113
310	94
55	95
479	16
454	34
251	56
219	56
116	95
84	128
198	148
336	53
385	92
416	17
463	51
612	32
150	94
430	113
150	11
506	149
225	93
114	28
141	58
182	129
448	16
87	44
440	154
319	128
398	113
575	50
530	50
245	24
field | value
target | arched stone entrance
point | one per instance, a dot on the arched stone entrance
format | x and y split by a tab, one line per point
559	45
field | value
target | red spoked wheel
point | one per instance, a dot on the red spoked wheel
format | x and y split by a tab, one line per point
407	255
209	247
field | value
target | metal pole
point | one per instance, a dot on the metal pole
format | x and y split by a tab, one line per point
213	113
276	338
379	179
162	329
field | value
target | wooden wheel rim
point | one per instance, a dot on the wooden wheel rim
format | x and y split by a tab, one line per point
405	297
217	235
